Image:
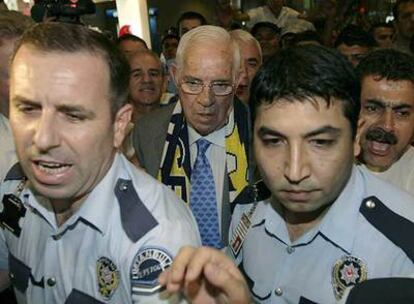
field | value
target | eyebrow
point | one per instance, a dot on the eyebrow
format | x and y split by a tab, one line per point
62	108
322	130
385	104
189	78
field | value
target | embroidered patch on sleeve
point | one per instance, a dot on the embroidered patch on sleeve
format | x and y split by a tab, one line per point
146	266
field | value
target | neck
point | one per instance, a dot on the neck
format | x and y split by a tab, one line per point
299	223
140	110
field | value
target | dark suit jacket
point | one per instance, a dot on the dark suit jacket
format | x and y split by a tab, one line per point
149	137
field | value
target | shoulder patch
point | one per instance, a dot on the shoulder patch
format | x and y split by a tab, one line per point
136	219
15	173
396	228
146	266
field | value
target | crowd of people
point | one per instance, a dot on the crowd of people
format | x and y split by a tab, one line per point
263	159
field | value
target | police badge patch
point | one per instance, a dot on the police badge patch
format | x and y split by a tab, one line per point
108	277
145	269
347	272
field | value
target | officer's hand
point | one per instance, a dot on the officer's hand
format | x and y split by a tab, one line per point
205	275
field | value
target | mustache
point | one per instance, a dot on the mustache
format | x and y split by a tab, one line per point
382	136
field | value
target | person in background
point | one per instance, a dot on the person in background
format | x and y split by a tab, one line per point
189	20
129	44
268	35
403	12
251	60
12	26
387	114
274	11
383	34
354	43
147	82
169	45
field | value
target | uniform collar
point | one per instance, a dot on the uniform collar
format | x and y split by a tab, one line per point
338	224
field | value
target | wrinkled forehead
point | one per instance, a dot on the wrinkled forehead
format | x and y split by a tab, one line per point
145	61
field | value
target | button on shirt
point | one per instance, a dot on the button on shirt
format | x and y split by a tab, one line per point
92	245
282	271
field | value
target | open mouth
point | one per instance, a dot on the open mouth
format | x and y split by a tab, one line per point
51	167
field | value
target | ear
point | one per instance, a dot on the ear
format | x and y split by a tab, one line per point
121	122
360	129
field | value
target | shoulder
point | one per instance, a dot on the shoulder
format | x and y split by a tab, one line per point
160	203
155	118
390	211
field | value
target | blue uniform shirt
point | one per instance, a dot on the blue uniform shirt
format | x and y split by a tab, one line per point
367	233
110	251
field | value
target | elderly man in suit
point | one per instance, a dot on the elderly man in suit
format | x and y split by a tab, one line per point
199	146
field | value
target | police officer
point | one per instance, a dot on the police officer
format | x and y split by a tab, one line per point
327	225
80	224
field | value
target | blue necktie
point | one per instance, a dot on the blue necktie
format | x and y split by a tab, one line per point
203	197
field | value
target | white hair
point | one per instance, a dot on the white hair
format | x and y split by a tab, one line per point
207	34
243	37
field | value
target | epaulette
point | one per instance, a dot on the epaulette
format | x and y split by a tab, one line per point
15	173
393	226
136	219
253	193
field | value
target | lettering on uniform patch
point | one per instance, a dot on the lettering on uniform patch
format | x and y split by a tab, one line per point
13	211
147	265
347	272
108	277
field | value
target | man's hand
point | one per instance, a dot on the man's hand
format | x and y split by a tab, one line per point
205	275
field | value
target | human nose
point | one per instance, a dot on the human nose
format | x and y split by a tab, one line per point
46	136
297	166
206	96
387	121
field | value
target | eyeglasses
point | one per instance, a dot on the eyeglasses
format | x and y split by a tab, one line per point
195	88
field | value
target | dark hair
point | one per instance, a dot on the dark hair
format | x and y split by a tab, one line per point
387	63
306	36
13	24
355	35
71	38
169	36
304	73
396	7
130	37
191	15
380	24
273	27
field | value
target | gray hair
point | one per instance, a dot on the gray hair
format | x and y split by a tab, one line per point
210	34
244	37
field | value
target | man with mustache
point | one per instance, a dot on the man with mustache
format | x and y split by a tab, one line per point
387	116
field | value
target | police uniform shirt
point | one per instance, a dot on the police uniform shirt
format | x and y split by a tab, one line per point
110	251
367	233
